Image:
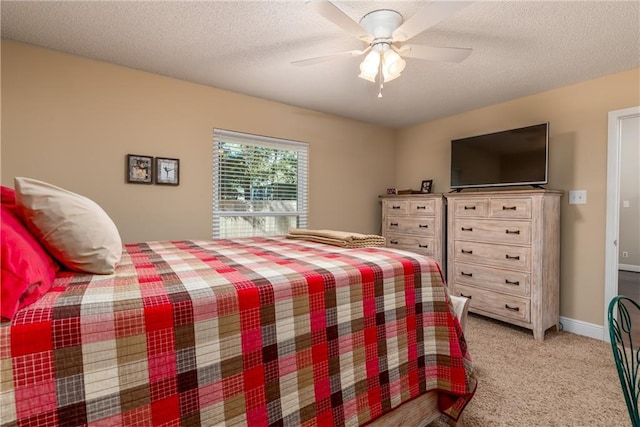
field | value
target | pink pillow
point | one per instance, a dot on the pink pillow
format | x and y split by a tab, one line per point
27	270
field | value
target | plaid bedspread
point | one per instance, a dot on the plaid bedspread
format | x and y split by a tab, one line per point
262	331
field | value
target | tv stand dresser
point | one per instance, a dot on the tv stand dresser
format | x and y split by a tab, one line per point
503	252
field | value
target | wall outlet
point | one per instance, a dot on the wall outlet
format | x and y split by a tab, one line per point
625	254
625	203
578	197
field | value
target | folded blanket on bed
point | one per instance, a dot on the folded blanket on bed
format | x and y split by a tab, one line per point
343	239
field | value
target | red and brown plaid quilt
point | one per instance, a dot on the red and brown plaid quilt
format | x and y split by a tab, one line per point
261	331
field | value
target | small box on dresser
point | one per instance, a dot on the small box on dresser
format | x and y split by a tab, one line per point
415	222
504	253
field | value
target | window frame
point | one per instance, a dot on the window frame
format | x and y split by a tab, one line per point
246	139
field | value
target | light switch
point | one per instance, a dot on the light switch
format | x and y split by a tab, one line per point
625	203
578	197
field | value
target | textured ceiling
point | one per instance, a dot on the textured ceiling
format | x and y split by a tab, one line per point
519	48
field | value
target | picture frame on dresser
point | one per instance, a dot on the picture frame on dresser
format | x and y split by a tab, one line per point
426	186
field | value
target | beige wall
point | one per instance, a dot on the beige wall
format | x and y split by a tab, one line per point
578	160
71	121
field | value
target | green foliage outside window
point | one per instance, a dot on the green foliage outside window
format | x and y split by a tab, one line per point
257	173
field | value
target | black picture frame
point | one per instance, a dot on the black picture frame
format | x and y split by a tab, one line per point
426	186
167	171
139	169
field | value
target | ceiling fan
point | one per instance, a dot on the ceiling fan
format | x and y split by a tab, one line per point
385	33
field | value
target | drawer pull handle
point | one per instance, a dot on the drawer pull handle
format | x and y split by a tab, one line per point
509	282
466	296
423	226
516	258
422	246
393	224
466	274
421	207
467	229
467	252
393	242
467	208
508	208
511	308
512	231
395	207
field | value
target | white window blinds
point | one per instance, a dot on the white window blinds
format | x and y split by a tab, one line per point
259	185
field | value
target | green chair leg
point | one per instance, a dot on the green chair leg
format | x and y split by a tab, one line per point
625	353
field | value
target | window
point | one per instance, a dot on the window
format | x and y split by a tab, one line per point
259	185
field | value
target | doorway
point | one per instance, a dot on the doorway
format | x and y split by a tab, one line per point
624	133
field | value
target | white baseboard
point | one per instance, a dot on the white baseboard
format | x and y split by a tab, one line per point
582	328
629	267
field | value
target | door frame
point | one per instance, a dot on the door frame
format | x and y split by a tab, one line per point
613	206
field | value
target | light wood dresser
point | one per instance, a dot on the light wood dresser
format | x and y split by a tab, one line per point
415	222
504	253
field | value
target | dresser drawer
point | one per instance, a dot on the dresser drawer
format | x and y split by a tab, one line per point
411	225
510	232
398	207
423	245
505	256
506	281
496	304
510	208
476	208
422	207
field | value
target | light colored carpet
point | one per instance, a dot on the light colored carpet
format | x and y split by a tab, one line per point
567	380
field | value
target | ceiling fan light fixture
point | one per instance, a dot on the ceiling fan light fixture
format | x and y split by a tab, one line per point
392	65
384	61
370	66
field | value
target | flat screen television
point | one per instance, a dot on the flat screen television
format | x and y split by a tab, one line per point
507	158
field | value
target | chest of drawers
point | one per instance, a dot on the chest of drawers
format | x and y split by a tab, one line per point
415	223
504	253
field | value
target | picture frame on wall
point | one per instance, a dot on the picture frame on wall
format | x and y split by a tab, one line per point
139	169
167	171
426	186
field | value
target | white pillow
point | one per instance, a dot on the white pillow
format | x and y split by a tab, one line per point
74	229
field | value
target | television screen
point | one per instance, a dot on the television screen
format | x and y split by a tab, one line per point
511	157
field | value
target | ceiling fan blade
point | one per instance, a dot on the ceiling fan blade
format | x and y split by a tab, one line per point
445	54
323	58
428	17
327	10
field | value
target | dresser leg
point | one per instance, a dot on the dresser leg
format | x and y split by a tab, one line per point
538	334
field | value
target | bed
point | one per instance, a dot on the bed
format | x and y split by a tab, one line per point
254	331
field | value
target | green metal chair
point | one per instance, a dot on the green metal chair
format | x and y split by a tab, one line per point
626	355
